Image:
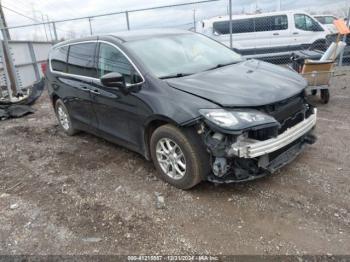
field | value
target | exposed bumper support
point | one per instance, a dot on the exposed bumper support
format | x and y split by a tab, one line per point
249	148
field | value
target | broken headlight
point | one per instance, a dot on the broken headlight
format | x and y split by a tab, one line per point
238	119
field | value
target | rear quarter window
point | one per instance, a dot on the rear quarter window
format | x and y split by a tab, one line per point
321	19
271	23
59	59
329	20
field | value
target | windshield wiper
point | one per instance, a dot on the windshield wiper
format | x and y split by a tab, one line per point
175	75
222	65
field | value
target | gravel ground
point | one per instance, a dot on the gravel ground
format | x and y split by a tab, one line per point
83	195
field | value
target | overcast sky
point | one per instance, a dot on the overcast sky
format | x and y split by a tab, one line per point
170	17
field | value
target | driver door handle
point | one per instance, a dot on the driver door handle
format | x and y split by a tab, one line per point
295	33
276	34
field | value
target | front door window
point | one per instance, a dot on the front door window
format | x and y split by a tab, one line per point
112	60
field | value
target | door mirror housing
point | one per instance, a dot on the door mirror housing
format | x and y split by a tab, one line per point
113	79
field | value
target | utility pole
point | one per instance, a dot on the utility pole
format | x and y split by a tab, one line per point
6	73
2	17
91	33
44	24
49	25
35	36
8	62
279	5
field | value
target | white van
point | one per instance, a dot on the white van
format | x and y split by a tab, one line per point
276	32
327	21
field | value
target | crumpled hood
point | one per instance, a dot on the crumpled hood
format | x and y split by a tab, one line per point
249	83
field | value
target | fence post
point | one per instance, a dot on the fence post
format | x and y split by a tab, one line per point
127	20
230	11
344	40
194	20
55	31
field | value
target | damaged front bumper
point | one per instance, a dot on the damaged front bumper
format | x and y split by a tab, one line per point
249	148
247	159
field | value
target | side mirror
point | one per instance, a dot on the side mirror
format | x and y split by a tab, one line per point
113	79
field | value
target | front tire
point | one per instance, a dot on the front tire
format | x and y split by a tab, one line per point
179	156
63	118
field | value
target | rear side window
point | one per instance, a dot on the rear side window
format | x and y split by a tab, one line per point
81	60
260	24
306	23
112	60
238	26
271	23
59	59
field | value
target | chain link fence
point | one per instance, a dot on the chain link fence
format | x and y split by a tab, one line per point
258	30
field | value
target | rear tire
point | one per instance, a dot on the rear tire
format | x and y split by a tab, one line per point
64	119
167	144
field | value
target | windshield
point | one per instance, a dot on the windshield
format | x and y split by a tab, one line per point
180	55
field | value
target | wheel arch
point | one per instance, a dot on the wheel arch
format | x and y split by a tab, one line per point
54	98
150	126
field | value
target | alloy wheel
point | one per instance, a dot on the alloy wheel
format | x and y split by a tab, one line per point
171	158
63	118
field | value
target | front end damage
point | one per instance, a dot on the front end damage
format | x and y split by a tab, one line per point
248	154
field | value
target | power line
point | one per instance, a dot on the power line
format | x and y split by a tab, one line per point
18	13
11	5
54	22
23	4
28	17
31	18
120	12
69	9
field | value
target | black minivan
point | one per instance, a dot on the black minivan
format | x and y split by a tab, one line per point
193	106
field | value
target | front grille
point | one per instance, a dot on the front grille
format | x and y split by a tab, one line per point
263	134
281	111
292	121
288	113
